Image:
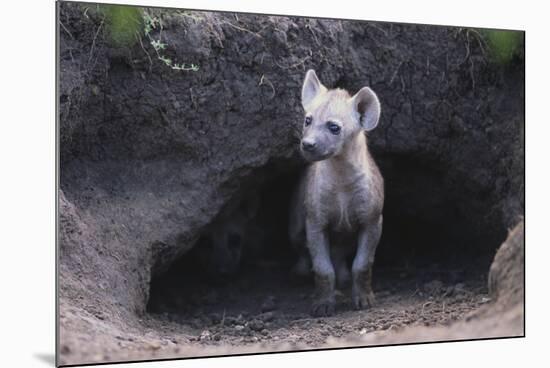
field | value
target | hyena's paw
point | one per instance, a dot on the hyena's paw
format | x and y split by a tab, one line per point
323	308
363	300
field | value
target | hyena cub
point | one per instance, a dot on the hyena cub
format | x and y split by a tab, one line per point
337	207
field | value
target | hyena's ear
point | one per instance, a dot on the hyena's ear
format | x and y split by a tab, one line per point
367	108
312	88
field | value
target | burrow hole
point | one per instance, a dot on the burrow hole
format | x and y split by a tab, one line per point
428	235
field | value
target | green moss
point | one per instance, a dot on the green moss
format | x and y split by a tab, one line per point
504	45
125	26
123	23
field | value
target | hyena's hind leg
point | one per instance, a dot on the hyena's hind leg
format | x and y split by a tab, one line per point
297	237
302	267
339	260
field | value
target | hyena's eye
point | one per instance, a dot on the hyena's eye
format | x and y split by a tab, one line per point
333	127
308	120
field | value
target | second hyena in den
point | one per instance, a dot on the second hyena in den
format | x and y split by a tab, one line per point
337	208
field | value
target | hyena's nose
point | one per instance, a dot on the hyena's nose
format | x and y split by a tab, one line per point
308	145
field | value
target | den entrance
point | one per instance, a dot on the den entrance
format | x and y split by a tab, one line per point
430	269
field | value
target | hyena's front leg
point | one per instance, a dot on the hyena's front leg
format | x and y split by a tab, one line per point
318	245
361	289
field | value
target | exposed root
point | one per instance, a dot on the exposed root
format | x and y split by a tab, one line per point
146	52
265	80
94	40
241	28
65	29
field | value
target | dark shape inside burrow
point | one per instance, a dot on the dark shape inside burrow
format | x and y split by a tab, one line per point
428	234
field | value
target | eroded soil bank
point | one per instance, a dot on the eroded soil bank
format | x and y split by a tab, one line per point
262	310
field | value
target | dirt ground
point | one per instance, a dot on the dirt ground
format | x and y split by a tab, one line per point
241	317
242	312
265	309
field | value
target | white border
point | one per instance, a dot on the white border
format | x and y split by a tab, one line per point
27	184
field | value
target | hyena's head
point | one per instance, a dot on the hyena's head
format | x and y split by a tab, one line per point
333	117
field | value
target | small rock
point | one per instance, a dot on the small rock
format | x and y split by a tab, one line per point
267	316
433	287
363	331
217	337
205	336
264	332
256	325
154	345
239	327
460	291
449	291
485	300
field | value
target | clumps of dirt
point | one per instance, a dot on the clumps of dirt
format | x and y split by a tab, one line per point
268	312
240	312
239	316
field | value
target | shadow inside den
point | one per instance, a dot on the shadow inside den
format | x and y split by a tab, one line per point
430	248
